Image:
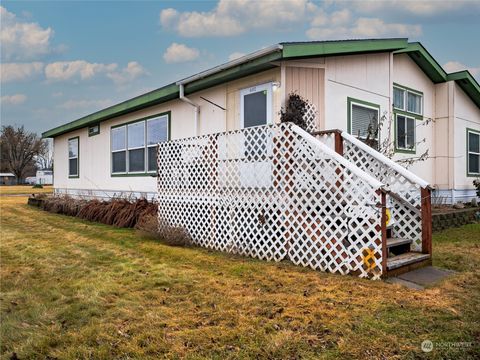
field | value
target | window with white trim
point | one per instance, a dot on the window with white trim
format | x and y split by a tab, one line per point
408	100
405	132
73	157
364	122
157	131
473	152
134	145
256	105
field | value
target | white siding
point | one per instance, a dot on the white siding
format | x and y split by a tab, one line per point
408	74
362	77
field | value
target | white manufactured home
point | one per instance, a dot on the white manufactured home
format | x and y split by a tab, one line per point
112	152
212	149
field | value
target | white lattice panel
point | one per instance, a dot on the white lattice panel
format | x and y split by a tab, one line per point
408	222
310	118
268	193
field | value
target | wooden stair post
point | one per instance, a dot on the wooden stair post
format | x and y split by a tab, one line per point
426	205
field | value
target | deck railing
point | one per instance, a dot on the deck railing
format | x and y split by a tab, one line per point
408	195
274	192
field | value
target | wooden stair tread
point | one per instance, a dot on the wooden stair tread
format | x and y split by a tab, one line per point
405	259
391	242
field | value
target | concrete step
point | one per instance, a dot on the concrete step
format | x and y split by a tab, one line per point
405	259
391	242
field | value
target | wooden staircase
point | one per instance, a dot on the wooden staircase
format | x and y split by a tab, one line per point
407	245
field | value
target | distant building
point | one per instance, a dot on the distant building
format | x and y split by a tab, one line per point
32	180
44	177
7	179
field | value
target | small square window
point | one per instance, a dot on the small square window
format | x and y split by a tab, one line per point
94	130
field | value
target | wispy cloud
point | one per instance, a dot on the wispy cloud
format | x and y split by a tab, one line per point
177	53
16	99
23	40
234	17
19	71
235	55
84	70
85	104
132	71
453	66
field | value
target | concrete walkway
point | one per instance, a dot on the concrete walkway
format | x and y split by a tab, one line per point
420	278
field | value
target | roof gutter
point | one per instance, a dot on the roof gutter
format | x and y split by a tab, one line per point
241	60
204	74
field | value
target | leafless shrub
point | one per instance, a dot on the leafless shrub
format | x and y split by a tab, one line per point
173	236
117	212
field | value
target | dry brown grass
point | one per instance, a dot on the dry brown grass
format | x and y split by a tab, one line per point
24	189
72	289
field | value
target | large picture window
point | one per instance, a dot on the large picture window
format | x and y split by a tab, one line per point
473	152
73	152
134	145
405	133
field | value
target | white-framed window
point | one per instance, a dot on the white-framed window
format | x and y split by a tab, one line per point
119	149
473	152
256	105
73	157
157	131
408	100
405	132
134	145
363	121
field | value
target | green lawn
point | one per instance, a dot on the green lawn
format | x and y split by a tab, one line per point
75	290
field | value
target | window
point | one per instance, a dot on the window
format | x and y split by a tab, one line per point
405	133
408	100
134	145
473	152
157	131
119	149
363	121
256	105
94	130
73	146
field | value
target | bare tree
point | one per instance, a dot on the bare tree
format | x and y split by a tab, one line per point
18	150
387	145
44	160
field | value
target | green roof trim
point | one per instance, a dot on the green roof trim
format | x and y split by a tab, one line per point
158	96
344	47
468	84
425	61
287	51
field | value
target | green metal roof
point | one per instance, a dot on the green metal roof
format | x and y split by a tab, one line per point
284	51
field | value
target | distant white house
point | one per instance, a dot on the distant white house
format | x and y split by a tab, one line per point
351	83
32	180
44	177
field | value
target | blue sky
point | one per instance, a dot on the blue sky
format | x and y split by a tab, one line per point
63	60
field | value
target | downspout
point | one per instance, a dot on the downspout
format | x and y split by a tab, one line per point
195	105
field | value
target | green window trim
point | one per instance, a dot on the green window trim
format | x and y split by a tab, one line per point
78	158
146	146
351	101
396	148
467	145
418	116
92	131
